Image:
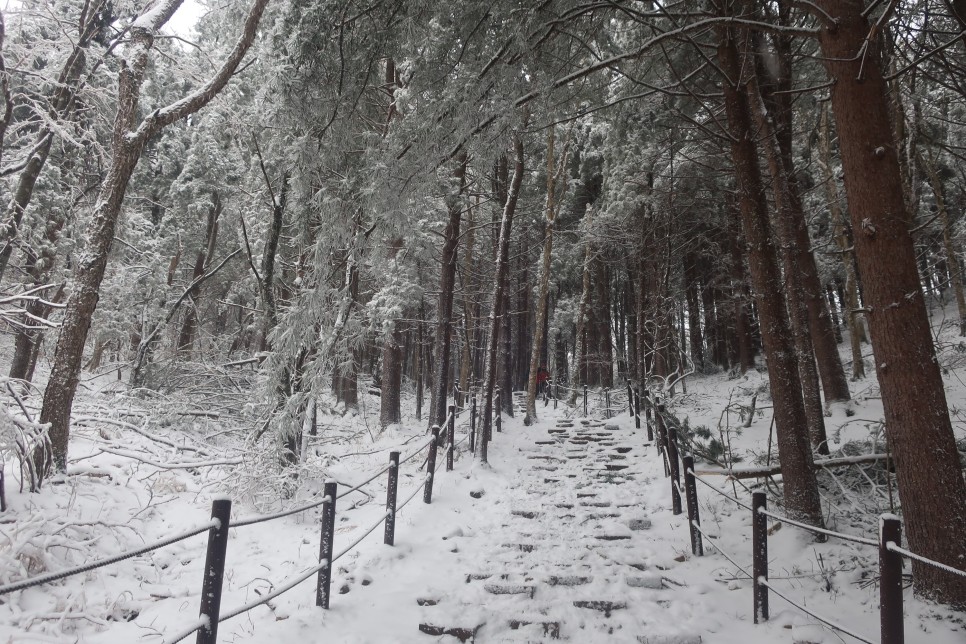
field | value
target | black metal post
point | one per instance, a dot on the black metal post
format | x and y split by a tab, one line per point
451	438
498	417
675	464
661	436
636	398
473	424
890	581
694	519
431	466
647	418
326	545
585	400
607	403
759	544
484	443
214	571
390	535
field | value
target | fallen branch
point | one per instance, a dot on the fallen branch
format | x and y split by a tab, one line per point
766	471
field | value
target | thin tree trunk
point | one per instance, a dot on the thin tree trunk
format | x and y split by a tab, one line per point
785	217
952	261
187	336
555	175
918	427
576	378
502	270
850	305
447	286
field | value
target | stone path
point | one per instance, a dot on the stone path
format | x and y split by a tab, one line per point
565	554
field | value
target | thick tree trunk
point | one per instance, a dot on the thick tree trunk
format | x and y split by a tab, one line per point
502	271
918	427
800	485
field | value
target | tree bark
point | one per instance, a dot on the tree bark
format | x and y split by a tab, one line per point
127	145
918	427
447	287
499	287
800	485
190	326
554	176
850	304
788	218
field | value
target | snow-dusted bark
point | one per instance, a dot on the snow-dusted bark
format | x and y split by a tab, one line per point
128	142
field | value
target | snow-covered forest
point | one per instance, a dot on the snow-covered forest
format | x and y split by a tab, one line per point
612	249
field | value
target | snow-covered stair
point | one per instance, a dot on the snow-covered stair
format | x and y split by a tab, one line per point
565	553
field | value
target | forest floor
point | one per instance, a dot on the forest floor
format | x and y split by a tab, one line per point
567	532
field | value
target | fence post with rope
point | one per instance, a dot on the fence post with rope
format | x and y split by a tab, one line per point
431	466
694	520
473	424
759	544
326	544
661	436
674	462
498	410
637	407
214	571
890	581
451	437
607	403
585	401
391	488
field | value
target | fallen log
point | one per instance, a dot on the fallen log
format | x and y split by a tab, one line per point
765	471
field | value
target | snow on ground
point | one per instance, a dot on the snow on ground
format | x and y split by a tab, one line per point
571	535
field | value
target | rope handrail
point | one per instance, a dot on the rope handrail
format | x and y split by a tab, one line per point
62	574
894	547
719	491
764	582
366	482
714	544
202	622
811	528
261	518
363	536
413	495
415	453
827	622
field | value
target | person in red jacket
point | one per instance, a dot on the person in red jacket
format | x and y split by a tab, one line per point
542	377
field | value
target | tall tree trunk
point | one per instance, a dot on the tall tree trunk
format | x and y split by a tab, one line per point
555	175
389	408
952	261
800	486
850	304
128	142
694	310
918	427
447	287
787	220
576	376
777	93
499	287
188	329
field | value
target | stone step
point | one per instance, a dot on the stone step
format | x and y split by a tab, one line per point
526	514
549	630
567	580
462	633
669	639
602	605
510	589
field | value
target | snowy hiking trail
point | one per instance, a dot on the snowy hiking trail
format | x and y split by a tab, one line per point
567	535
